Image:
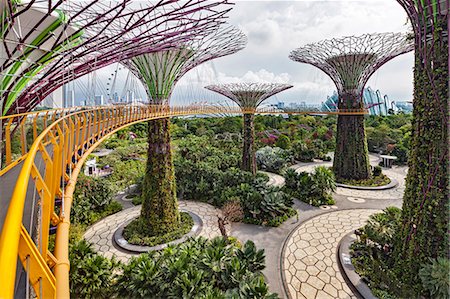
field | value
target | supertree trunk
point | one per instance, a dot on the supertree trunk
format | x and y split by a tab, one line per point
351	158
248	153
424	230
159	206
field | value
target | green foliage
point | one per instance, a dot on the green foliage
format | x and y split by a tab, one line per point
377	171
268	209
283	142
207	171
425	211
435	278
401	152
91	275
138	233
312	188
381	227
374	181
390	135
272	159
372	255
92	200
199	268
302	152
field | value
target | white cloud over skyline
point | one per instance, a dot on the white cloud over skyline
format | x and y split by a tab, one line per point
274	28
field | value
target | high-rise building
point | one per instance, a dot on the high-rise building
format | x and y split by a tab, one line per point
99	100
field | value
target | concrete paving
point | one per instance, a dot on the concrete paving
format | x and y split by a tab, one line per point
101	233
273	239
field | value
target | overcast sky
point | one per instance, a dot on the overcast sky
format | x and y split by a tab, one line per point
274	28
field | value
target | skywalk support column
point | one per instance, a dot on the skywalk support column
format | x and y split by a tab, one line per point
349	62
248	151
159	72
248	96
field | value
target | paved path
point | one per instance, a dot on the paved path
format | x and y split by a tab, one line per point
275	180
310	266
271	239
101	233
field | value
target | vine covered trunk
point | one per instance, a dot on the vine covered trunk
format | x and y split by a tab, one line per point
424	228
159	205
351	157
248	152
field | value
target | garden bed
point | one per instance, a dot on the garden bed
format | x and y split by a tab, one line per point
375	181
130	235
371	184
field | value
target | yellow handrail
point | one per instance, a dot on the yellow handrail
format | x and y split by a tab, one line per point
63	145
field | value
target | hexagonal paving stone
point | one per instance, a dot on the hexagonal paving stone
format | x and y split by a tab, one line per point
313	244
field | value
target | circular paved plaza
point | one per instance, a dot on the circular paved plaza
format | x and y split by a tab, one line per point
101	233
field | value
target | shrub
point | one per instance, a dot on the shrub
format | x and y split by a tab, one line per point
232	210
271	159
380	227
401	153
92	200
137	232
372	255
199	268
377	171
435	278
267	207
91	275
283	142
302	152
312	188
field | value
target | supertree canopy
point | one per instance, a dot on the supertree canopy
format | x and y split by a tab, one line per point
423	234
159	72
249	96
350	61
73	39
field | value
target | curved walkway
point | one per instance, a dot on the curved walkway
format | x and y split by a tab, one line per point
275	180
310	267
101	233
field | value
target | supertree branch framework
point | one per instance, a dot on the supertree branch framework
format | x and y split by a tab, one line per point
159	72
101	33
423	234
248	96
350	61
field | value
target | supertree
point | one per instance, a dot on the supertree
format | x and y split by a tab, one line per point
62	41
424	230
248	96
159	72
350	61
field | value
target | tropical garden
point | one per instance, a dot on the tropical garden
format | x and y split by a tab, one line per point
207	160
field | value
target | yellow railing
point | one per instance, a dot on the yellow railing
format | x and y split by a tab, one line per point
51	166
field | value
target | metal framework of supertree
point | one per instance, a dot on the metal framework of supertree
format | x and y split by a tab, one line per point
349	62
248	96
86	36
423	234
159	72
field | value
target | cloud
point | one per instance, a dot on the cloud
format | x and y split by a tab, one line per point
274	28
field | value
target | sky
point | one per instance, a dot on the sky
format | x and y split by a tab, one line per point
275	28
